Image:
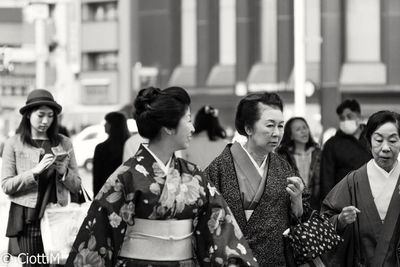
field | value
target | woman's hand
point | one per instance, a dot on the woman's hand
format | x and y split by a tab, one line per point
61	166
347	216
45	163
295	189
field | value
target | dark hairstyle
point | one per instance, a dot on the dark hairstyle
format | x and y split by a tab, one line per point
155	108
24	128
119	131
207	120
378	119
287	144
248	113
351	104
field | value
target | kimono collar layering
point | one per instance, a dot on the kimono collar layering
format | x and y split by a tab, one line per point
382	185
251	177
260	169
163	167
167	240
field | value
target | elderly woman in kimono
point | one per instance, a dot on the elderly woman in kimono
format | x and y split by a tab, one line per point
156	209
260	187
365	204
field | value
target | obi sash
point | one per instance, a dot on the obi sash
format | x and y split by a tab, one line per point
158	240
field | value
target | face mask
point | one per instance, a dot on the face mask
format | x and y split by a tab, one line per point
349	126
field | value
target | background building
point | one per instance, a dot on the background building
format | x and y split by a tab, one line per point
102	51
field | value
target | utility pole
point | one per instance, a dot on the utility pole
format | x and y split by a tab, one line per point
299	58
40	10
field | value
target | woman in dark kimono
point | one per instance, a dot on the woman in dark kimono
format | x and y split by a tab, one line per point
365	204
260	187
158	210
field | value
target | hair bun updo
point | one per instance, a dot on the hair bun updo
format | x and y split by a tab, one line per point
155	108
144	100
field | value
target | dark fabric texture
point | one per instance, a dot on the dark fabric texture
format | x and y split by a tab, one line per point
313	238
270	218
107	158
30	242
341	154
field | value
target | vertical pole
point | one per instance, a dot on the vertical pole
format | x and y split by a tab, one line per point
40	45
299	58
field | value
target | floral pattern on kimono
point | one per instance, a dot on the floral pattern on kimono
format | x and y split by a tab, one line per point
140	189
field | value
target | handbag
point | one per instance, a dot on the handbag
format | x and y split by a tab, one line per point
59	227
312	238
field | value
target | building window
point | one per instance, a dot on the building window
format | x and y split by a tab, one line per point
363	31
100	61
189	33
104	11
269	28
227	32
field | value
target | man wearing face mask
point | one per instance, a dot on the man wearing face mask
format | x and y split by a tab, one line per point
347	150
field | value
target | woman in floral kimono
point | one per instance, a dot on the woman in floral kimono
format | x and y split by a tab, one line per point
158	210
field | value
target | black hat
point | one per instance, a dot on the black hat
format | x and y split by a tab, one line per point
40	97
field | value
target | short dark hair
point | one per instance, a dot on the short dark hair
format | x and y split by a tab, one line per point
248	113
351	104
379	118
207	120
156	108
24	128
287	143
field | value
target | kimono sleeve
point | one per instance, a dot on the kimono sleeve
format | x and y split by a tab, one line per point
338	198
219	240
101	235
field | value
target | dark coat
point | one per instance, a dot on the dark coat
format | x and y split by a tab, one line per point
341	154
271	217
107	158
314	174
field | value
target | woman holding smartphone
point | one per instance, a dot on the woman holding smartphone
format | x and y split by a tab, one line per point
39	167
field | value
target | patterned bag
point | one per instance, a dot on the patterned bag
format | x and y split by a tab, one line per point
312	238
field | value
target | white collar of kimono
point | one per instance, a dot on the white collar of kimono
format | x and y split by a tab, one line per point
392	174
260	169
383	185
163	167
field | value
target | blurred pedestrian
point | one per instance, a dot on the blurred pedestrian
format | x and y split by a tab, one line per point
108	154
304	155
208	139
156	209
38	168
364	205
260	187
132	145
347	150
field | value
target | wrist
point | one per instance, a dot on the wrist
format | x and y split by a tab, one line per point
297	207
